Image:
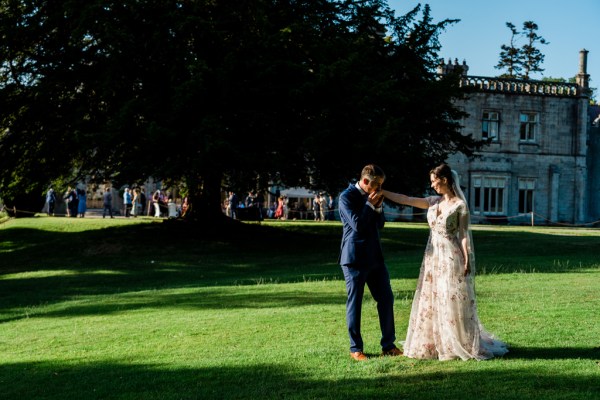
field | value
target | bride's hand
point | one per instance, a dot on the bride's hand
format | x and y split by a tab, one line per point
467	268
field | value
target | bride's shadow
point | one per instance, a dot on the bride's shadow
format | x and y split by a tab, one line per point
553	353
541	353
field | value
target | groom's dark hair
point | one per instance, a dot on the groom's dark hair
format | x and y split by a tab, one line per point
371	172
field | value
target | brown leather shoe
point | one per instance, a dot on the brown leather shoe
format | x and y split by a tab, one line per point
392	352
358	356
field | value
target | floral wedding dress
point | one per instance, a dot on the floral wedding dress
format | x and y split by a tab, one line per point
443	322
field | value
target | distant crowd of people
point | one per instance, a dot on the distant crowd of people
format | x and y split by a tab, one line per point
135	203
321	208
162	204
74	198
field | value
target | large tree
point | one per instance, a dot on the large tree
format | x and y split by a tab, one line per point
215	93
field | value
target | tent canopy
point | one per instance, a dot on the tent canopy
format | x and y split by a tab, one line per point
298	192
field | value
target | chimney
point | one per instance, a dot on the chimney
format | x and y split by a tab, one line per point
583	77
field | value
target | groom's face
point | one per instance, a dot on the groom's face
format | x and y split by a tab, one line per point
372	185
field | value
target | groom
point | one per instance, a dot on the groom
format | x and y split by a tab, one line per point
362	262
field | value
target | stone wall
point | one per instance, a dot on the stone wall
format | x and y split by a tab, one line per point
556	160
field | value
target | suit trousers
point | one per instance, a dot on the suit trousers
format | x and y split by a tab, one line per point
107	207
377	279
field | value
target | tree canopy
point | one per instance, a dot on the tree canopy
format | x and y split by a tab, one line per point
220	93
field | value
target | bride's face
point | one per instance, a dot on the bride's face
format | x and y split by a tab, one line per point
440	185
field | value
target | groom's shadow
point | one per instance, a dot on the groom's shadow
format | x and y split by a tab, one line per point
376	356
553	353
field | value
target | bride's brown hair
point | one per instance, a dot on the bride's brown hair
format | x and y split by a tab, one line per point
444	171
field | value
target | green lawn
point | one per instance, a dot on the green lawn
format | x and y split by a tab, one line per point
138	309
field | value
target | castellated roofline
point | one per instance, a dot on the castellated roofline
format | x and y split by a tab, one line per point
522	86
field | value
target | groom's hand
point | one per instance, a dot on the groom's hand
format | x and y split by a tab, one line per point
376	198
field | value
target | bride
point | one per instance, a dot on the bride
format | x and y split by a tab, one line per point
443	321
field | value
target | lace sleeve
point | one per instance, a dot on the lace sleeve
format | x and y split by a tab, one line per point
463	221
464	234
431	200
463	210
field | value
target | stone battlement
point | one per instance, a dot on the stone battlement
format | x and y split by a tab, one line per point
518	86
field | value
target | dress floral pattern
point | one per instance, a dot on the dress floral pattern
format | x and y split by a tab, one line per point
443	322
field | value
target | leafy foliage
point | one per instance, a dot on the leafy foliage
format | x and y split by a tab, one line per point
215	93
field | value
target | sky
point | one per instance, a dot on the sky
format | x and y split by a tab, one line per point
568	25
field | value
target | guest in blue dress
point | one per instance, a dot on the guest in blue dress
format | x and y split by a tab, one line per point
82	206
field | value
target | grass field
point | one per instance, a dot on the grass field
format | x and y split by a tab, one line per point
138	309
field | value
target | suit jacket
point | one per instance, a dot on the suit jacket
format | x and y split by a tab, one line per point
107	197
361	246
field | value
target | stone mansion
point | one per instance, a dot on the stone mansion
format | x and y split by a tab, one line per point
542	163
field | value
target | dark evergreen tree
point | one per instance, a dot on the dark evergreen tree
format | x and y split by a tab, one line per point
521	62
511	57
214	93
532	56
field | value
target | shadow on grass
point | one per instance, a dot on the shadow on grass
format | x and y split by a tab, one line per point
554	353
269	381
54	266
219	298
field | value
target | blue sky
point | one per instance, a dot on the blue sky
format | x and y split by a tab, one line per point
569	26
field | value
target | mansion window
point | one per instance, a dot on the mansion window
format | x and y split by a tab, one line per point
488	195
528	126
489	125
526	188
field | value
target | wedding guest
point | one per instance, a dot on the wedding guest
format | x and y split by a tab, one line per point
233	203
317	208
260	204
286	207
330	208
250	200
136	202
127	203
301	209
185	206
271	210
279	209
82	202
107	202
143	201
156	203
322	206
226	207
72	203
51	201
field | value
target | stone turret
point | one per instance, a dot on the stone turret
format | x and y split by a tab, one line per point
444	68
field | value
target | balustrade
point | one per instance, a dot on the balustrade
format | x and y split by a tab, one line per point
505	85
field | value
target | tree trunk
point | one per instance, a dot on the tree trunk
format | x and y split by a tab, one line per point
205	199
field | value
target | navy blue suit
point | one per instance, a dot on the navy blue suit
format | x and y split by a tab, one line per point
361	259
